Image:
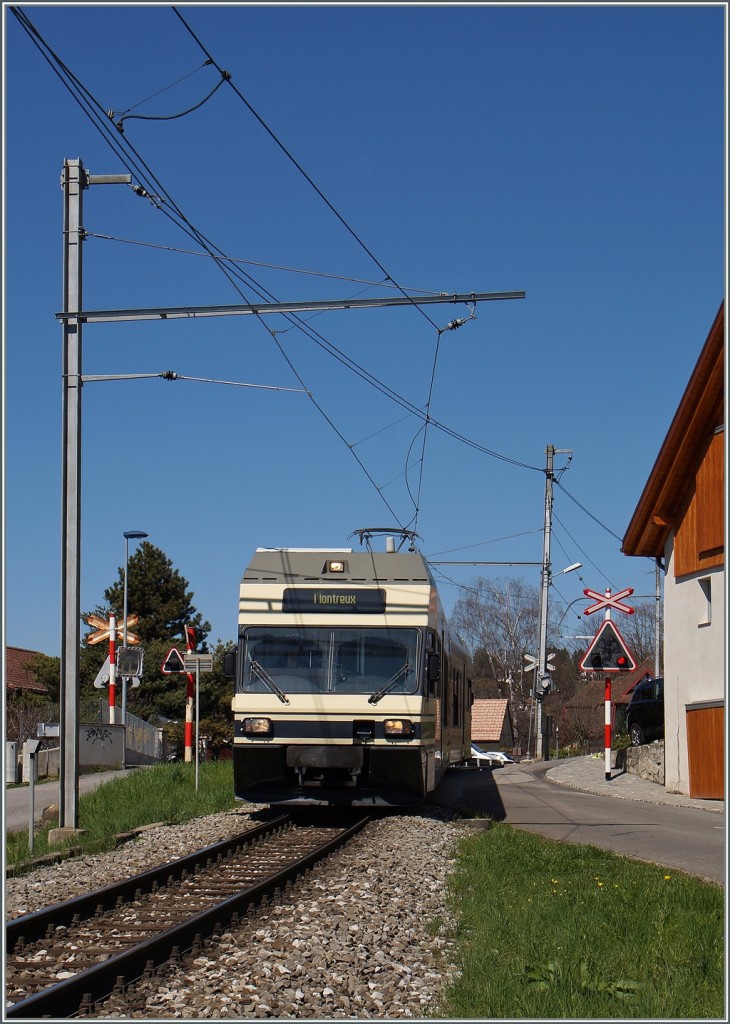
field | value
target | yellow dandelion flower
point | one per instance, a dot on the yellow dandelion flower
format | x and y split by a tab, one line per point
667	877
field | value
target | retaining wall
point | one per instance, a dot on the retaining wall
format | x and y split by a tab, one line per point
646	761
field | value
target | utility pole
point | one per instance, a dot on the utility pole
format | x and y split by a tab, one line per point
73	182
541	668
74	179
542	675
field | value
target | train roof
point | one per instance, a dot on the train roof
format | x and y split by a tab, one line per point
314	565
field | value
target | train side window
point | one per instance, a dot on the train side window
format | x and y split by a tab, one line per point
433	663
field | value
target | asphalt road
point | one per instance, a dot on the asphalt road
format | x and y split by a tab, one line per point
683	838
17	799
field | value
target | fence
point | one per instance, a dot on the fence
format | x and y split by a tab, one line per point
100	746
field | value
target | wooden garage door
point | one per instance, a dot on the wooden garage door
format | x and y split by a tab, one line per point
706	747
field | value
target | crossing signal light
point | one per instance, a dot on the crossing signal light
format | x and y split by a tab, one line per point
608	652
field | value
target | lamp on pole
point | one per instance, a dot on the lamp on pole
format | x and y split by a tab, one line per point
542	679
128	535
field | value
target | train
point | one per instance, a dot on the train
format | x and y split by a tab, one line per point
350	687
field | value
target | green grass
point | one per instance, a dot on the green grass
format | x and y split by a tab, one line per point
543	929
547	929
162	793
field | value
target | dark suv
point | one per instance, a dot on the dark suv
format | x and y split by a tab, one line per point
645	716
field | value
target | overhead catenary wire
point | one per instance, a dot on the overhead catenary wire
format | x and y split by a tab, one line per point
129	157
263	265
119	125
298	166
165	88
172	375
136	165
589	514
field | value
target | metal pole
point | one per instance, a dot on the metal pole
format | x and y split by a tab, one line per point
134	535
74	179
112	668
73	182
31	820
189	685
197	722
100	316
607	726
541	670
124	644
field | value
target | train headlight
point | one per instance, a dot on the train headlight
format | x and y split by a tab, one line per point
258	727
402	727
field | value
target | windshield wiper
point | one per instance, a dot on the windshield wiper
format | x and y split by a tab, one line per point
402	671
266	678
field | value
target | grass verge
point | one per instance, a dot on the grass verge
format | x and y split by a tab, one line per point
551	930
162	793
543	929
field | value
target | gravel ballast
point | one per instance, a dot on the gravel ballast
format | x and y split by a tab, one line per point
363	936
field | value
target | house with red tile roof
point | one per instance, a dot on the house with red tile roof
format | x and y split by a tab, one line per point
491	723
18	677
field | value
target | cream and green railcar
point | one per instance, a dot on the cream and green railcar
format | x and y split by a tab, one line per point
350	688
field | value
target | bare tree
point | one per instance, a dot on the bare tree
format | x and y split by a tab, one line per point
499	619
639	632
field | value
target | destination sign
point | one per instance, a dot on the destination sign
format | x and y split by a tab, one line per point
325	601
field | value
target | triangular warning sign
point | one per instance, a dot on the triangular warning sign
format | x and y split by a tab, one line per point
608	652
173	662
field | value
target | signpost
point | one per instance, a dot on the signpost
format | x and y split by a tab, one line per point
31	748
130	664
197	663
173	663
531	663
608	601
190	644
109	631
103	675
608	652
104	629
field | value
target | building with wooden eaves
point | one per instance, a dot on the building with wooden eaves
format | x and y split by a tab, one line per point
680	519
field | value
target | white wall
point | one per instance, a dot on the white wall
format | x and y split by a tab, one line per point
694	658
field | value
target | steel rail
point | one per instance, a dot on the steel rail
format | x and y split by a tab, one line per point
33	927
90	986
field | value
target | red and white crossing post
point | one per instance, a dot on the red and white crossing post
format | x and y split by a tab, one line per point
112	667
189	696
607	728
608	651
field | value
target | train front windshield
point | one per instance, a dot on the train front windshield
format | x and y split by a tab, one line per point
341	660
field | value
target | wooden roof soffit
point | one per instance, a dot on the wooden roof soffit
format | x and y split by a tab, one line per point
699	414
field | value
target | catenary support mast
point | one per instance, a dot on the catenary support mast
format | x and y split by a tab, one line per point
74	180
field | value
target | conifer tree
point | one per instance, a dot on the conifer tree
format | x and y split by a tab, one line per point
158	595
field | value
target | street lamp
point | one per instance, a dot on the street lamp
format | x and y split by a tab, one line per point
128	535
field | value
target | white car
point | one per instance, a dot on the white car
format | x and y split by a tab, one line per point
479	758
496	757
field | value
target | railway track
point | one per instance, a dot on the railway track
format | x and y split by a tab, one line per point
62	960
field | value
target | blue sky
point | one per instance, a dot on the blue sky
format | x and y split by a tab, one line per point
576	153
